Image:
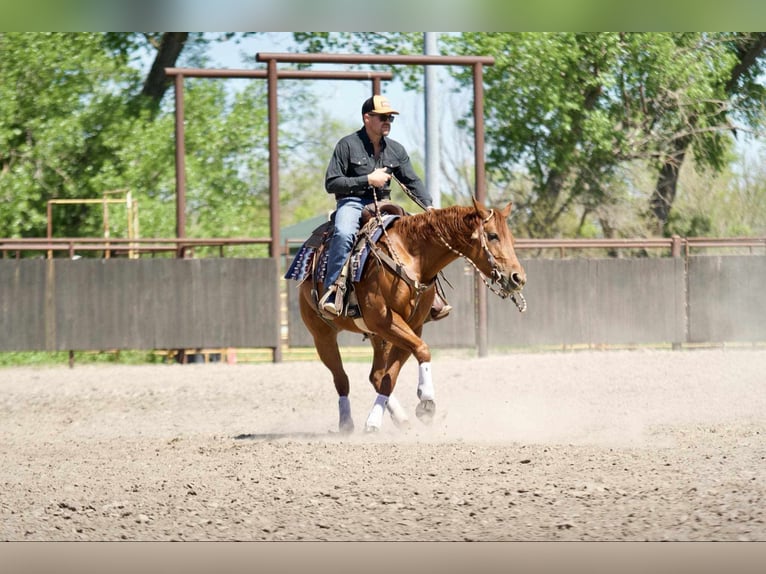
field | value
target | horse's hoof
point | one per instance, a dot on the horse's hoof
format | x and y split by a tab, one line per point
346	427
401	424
371	429
425	411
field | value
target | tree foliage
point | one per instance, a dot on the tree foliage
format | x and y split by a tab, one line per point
573	118
568	110
591	134
60	99
75	124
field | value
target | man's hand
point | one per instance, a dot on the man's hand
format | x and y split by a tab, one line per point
379	177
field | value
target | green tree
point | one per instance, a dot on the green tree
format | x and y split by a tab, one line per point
737	92
572	108
75	123
571	118
59	93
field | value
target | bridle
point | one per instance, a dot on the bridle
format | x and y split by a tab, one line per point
496	275
516	296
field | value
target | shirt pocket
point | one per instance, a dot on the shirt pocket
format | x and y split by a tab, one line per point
392	165
360	165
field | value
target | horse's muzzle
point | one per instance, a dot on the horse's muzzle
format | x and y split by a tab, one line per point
513	281
511	286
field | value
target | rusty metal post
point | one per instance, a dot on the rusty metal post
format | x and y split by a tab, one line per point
274	185
675	252
482	328
273	115
675	249
50	226
180	164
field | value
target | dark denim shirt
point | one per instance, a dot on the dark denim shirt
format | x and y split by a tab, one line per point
354	158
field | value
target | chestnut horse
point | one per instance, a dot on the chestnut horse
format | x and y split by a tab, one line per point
395	292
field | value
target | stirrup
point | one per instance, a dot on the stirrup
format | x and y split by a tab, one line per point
329	302
437	314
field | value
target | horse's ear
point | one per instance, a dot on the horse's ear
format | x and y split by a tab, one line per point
507	210
483	211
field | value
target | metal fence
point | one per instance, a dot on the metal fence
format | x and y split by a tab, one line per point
104	304
707	291
601	301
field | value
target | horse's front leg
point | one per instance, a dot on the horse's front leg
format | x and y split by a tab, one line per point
386	365
407	340
426	408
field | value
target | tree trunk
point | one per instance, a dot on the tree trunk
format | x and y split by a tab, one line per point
661	201
665	189
157	82
543	212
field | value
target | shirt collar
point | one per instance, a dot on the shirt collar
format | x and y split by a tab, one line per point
368	142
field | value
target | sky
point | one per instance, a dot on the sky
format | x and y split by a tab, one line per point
341	99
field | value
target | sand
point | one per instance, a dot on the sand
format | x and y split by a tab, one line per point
590	445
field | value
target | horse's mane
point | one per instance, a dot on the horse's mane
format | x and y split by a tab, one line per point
450	221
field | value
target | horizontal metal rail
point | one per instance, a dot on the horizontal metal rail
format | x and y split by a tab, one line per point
72	245
676	245
282	74
385	59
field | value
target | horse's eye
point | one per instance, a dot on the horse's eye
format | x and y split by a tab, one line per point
492	236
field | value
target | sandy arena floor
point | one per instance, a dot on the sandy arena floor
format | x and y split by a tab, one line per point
613	445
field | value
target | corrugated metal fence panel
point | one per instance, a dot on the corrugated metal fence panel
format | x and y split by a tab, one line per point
726	298
558	300
22	305
638	301
138	304
458	329
593	301
165	303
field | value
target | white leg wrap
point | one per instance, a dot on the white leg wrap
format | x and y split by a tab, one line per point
375	419
346	423
344	407
396	411
426	390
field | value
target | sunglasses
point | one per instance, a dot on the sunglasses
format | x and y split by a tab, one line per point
385	117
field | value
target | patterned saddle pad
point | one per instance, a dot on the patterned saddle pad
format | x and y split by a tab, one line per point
316	245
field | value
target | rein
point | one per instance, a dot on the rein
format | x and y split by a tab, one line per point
394	263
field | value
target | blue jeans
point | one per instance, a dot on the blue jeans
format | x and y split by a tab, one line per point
347	215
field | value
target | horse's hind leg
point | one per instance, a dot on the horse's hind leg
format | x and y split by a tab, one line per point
326	343
329	354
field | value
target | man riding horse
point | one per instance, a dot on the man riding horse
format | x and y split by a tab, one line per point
392	275
359	173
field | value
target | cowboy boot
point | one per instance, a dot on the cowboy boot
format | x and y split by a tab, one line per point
439	308
329	302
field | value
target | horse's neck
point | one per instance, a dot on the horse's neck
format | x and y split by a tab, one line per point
429	249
